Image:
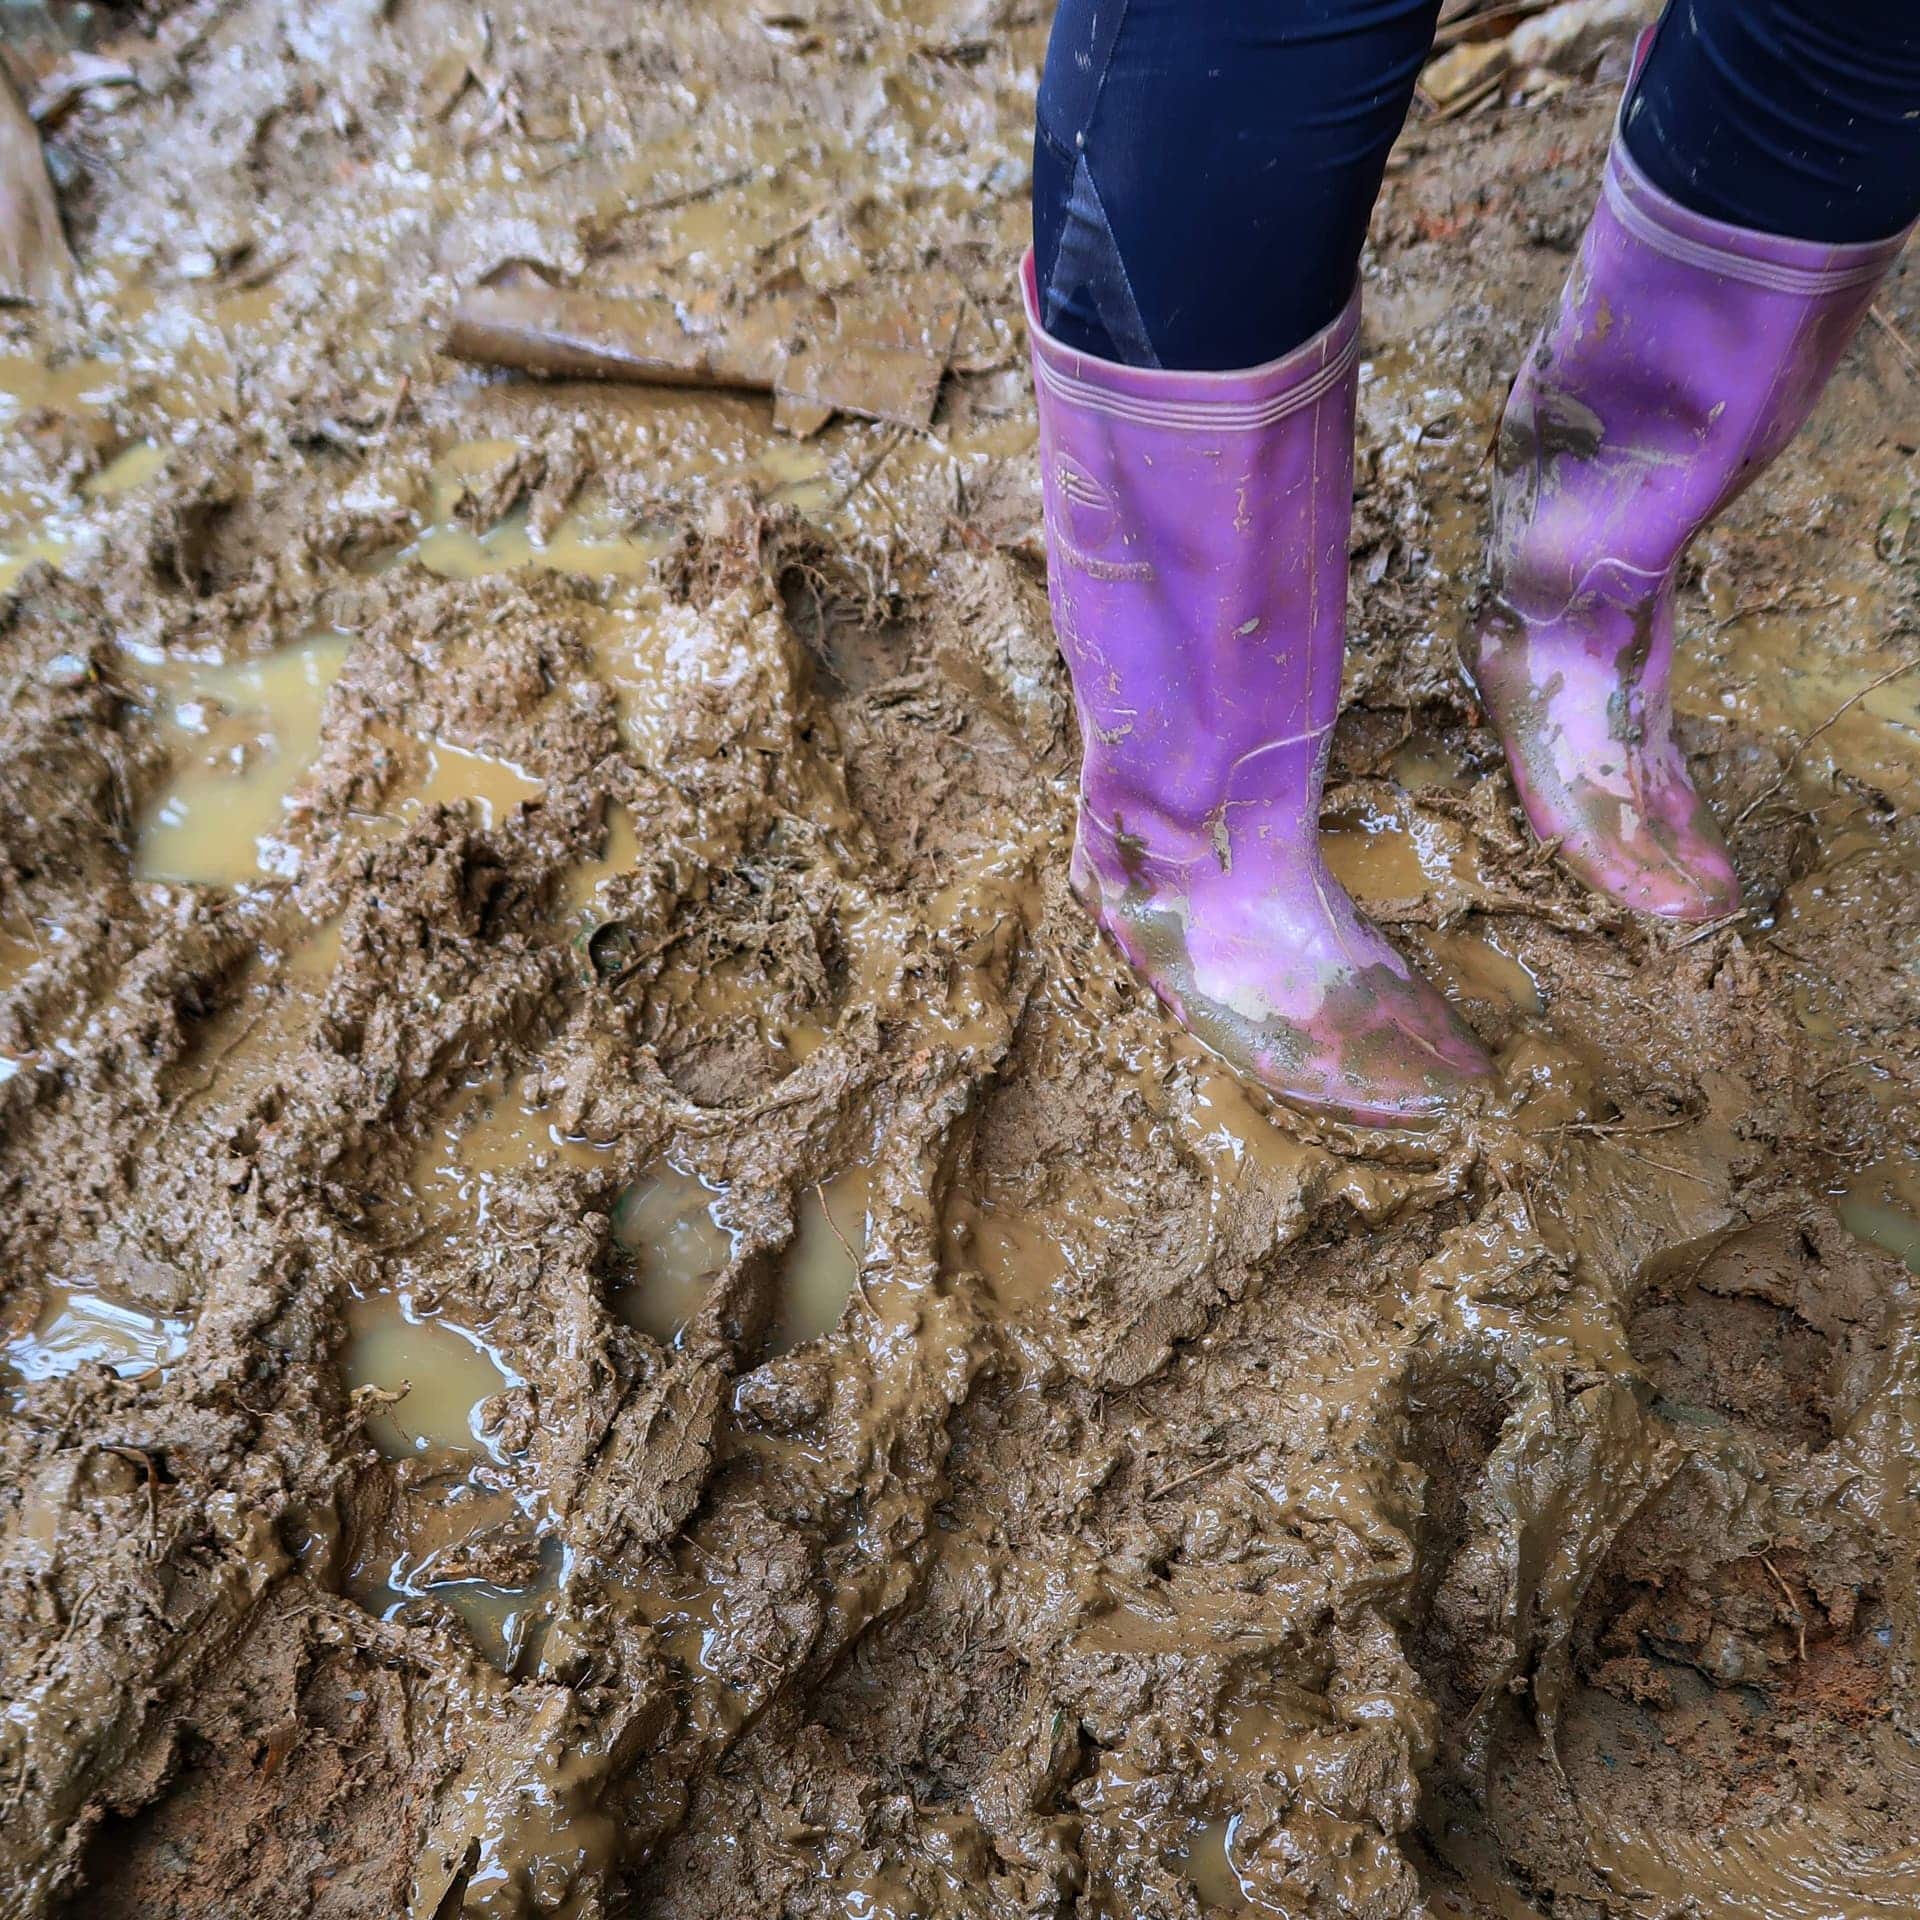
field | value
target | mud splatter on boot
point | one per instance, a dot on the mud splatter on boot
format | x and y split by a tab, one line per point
1197	542
1684	355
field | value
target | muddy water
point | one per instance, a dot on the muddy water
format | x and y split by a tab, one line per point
821	1267
675	1248
75	1327
240	736
619	854
1205	1858
442	1376
462	776
584	542
1882	1205
470	1531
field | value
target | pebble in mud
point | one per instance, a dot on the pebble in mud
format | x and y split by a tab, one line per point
1172	1463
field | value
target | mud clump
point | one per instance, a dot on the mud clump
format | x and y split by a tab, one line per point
612	1305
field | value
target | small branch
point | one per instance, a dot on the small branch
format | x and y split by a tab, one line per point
1908	358
1852	700
846	1247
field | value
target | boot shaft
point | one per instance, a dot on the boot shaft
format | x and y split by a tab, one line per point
1684	355
1197	534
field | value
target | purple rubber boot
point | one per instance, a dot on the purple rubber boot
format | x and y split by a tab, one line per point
1684	356
1197	568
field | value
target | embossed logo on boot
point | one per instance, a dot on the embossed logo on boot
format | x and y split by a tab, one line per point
1086	526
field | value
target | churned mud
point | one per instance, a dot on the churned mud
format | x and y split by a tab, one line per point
609	1305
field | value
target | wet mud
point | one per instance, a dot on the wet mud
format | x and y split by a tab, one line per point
610	1304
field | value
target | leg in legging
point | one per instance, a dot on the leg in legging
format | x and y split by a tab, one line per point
1756	199
1204	171
1203	177
1796	117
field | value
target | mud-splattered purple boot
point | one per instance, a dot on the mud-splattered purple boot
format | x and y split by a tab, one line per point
1197	567
1685	354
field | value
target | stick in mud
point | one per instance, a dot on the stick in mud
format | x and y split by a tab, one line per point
521	321
518	320
35	265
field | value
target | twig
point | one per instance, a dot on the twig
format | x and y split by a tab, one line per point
1707	931
1846	1066
391	419
1794	1612
1679	1173
1780	603
1220	1461
1852	700
846	1247
1908	358
867	472
1480	91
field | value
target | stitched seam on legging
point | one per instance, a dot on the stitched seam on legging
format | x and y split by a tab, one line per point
1128	328
1052	139
1106	67
1220	415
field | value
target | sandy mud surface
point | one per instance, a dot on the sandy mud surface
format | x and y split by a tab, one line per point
609	1306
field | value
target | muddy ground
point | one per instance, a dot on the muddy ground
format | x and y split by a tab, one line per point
611	1307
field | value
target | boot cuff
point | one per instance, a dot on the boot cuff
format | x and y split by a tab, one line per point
1243	400
1771	260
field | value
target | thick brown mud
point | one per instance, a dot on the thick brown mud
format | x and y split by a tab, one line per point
610	1305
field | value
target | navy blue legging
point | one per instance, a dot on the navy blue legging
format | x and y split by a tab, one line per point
1204	170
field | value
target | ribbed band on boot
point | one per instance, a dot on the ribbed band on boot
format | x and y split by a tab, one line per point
1772	260
1237	401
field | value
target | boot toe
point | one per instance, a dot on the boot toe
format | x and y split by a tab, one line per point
1401	1057
1689	878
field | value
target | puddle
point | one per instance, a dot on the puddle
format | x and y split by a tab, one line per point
39	523
822	1261
74	1327
504	1621
1882	1206
313	960
133	466
467	1533
1380	857
241	735
665	1227
450	1374
486	785
48	543
1428	763
1204	1859
487	1136
584	541
74	386
1474	965
461	776
619	853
